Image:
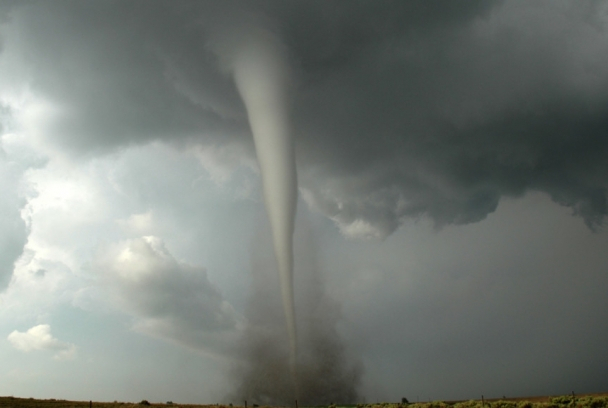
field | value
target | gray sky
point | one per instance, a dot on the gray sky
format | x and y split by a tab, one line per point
453	175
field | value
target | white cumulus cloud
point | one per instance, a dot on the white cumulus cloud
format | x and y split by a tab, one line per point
40	338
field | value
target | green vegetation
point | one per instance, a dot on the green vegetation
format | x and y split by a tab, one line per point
555	402
591	401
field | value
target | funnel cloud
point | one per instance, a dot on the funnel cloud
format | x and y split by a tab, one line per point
261	74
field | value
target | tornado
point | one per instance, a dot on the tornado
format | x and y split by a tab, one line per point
262	77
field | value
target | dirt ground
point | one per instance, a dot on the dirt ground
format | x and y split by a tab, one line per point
14	402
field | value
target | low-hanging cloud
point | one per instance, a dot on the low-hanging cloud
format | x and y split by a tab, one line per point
40	338
443	122
402	109
167	298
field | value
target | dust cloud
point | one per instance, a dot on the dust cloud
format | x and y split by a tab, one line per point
326	372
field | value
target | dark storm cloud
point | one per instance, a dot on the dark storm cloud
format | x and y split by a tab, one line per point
403	109
444	120
117	72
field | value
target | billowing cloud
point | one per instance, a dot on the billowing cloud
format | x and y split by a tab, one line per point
168	299
402	109
444	120
40	338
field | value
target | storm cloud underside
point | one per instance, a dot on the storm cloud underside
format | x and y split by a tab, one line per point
403	109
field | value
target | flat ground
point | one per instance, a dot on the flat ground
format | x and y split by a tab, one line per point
544	398
14	402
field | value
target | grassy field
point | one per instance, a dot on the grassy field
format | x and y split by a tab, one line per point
567	401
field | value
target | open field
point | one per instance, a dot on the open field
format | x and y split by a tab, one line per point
567	401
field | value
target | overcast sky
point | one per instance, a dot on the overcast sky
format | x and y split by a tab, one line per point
452	164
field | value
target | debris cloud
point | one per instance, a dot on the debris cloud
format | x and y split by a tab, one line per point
326	371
